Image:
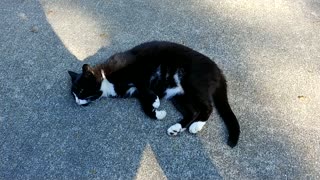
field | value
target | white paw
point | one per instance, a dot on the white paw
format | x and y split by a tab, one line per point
131	90
156	103
196	127
175	129
161	114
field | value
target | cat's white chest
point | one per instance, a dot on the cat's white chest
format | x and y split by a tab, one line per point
178	90
107	88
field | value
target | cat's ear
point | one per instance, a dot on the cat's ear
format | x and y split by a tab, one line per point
73	75
87	69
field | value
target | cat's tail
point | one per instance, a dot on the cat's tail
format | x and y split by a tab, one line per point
221	102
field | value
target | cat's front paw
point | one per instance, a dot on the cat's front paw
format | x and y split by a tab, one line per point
160	114
156	103
175	129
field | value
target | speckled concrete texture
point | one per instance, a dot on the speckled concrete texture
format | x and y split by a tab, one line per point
269	51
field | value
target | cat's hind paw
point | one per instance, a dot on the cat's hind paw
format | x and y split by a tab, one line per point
196	127
175	129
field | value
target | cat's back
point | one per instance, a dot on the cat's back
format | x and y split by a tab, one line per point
171	52
160	47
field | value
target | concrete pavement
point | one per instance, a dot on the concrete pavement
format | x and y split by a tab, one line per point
269	51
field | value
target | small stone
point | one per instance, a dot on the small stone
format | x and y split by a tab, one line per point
93	171
103	35
34	29
302	97
23	16
49	12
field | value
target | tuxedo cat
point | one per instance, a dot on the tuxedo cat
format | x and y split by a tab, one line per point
156	70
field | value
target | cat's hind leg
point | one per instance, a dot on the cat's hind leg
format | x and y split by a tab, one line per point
188	111
195	109
205	105
206	108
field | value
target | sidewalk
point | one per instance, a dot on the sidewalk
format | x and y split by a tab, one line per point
268	50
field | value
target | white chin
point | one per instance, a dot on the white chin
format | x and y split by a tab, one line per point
80	101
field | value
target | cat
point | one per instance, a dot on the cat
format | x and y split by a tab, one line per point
160	69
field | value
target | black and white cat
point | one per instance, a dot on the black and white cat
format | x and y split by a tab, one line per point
158	69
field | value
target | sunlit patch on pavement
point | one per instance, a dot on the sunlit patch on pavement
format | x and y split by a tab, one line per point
78	30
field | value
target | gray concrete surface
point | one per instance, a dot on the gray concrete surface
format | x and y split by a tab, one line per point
268	49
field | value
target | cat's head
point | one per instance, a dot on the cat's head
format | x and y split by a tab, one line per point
85	86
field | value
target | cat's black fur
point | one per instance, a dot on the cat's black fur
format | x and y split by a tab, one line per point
156	69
